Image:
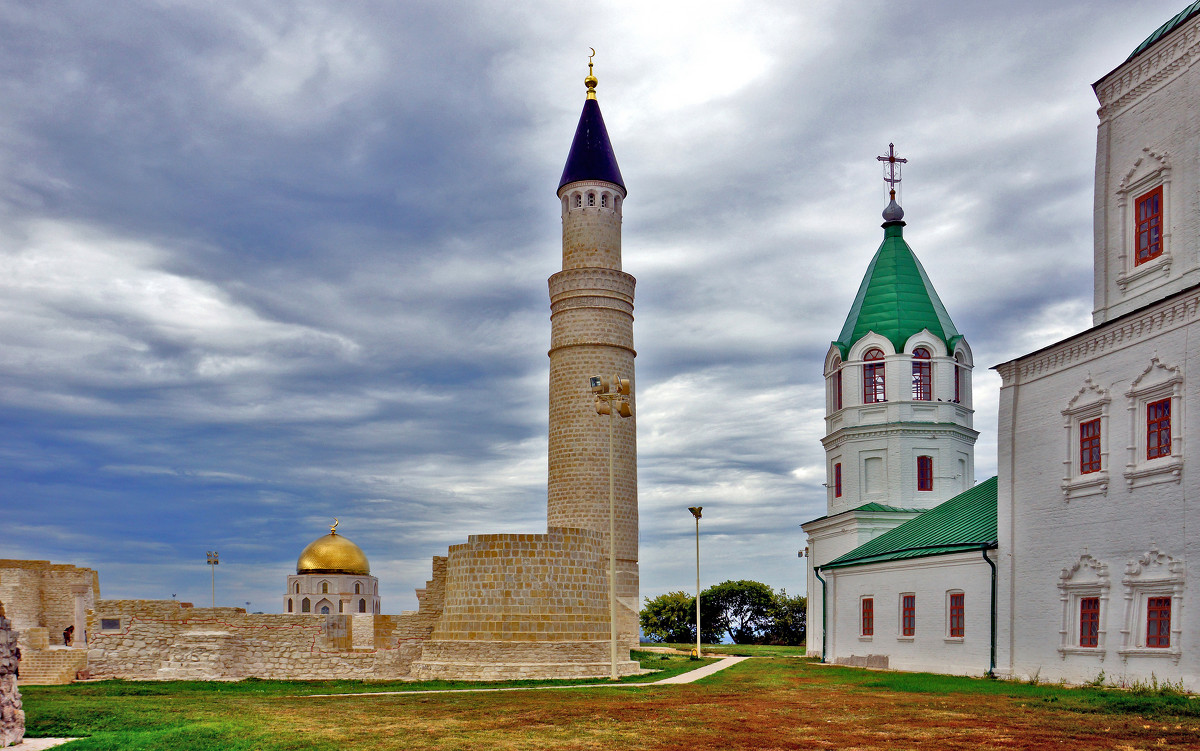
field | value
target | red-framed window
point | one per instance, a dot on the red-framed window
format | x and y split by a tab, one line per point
874	385
837	480
908	615
1158	429
1089	621
922	377
957	613
924	473
1148	235
1158	622
837	387
868	616
1089	446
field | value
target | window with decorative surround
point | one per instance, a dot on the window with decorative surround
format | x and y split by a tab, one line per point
1086	463
1153	585
1089	621
1147	234
1089	446
1155	416
1083	590
908	615
867	611
837	480
1144	204
874	382
922	375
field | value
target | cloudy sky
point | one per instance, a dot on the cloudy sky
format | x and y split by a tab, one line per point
263	264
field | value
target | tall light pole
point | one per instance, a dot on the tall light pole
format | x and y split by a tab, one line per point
696	513
213	560
612	400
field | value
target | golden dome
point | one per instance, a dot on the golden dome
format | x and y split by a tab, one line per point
333	554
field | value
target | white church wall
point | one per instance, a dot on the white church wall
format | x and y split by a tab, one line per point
1133	523
830	538
930	581
1148	135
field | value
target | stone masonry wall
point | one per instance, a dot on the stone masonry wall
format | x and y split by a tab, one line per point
38	594
12	717
166	640
523	606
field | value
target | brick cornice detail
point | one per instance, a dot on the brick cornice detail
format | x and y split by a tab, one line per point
1149	70
1156	319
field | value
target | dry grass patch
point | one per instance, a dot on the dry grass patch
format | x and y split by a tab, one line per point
778	703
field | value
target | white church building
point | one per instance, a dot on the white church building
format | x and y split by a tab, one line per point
1073	561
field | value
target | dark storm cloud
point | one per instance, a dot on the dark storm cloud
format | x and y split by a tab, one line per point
265	264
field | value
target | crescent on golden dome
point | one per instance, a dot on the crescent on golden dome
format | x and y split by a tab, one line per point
333	554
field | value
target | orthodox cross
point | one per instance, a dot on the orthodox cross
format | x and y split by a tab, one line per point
891	170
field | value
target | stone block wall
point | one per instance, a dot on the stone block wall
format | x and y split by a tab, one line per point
168	640
523	606
12	717
38	594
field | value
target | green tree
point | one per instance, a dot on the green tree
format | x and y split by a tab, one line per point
670	617
741	609
788	619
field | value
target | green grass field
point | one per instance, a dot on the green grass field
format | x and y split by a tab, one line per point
769	702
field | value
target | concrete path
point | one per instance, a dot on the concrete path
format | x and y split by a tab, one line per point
39	744
699	673
688	677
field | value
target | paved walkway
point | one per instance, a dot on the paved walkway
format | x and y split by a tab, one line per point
688	677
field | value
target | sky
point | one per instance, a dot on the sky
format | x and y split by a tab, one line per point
265	264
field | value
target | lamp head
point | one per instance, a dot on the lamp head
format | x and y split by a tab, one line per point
695	510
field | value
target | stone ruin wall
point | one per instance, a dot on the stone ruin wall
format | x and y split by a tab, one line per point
37	594
12	717
524	606
169	640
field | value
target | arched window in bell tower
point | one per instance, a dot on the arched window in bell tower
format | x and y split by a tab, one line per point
922	376
958	377
835	385
874	382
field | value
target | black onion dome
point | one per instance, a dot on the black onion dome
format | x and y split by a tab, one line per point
591	156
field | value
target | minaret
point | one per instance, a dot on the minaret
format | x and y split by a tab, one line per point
591	321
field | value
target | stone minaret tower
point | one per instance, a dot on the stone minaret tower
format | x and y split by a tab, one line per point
591	320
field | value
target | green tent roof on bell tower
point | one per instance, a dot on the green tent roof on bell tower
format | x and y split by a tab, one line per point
896	298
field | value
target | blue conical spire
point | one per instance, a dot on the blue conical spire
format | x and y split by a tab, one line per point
591	156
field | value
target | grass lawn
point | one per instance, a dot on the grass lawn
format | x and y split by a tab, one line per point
766	703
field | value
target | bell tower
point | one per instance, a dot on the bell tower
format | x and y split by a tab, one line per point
591	321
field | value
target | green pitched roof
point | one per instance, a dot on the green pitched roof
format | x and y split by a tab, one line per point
872	507
1181	18
896	299
965	522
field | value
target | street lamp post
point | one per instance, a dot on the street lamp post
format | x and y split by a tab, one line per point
213	560
611	400
696	513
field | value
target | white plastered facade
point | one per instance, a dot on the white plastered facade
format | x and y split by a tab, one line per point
1116	539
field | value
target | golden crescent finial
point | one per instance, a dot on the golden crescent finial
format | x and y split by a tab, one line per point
333	529
590	82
